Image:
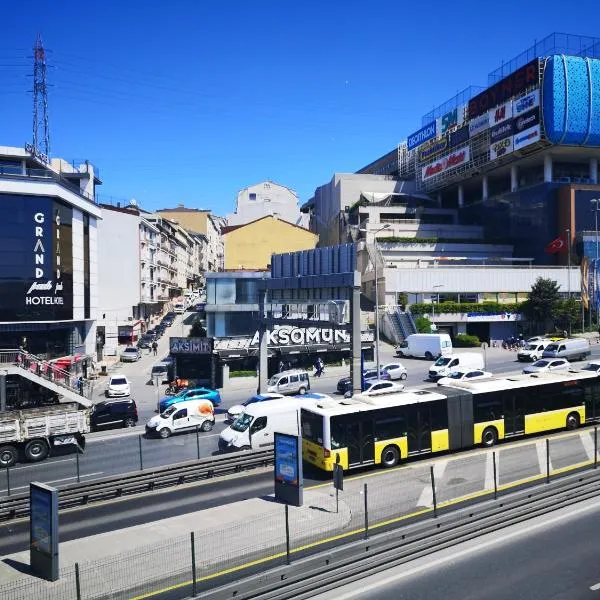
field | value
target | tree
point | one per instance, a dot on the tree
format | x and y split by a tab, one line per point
196	330
567	313
423	325
543	300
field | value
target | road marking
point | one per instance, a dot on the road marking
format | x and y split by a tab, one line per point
595	587
587	443
489	471
24	487
41	464
426	497
540	448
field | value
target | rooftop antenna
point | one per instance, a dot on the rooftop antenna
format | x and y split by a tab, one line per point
41	129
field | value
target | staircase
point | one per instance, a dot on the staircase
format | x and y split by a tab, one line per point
406	323
47	375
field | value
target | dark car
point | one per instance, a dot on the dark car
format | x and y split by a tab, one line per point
345	384
114	413
145	341
167	320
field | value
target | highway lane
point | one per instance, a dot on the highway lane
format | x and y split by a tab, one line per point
554	557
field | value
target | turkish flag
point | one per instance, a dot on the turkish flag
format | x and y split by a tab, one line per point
558	245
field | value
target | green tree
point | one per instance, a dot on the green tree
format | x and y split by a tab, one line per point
567	314
541	305
196	330
423	325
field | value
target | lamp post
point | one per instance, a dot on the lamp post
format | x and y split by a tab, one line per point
596	206
435	287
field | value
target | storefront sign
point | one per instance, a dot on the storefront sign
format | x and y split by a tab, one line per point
433	148
450	119
497	317
500	114
460	136
423	135
457	158
527	137
516	83
178	345
501	148
478	124
526	103
501	131
527	120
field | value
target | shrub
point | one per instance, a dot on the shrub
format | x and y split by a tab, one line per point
466	307
242	373
423	325
464	340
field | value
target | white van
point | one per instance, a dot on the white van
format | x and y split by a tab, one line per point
179	308
427	345
295	381
445	365
182	416
573	349
255	428
533	350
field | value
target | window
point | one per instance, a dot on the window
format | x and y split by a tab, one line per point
474	374
487	408
386	429
181	414
258	424
283	381
312	427
293	378
439	415
252	196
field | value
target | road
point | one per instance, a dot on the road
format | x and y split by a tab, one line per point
554	557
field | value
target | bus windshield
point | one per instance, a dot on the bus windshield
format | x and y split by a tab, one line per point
242	422
441	361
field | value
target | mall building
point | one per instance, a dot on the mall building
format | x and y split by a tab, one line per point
464	208
48	254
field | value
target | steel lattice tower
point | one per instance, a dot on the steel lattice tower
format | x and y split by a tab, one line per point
40	99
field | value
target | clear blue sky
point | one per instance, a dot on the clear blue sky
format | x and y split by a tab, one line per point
192	101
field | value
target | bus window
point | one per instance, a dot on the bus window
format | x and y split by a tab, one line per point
312	427
338	433
387	429
439	415
488	408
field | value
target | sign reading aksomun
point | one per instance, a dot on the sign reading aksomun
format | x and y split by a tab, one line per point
296	336
451	161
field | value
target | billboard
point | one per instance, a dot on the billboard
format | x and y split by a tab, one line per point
527	137
500	114
525	103
446	163
460	136
288	469
432	148
512	85
449	120
501	131
478	124
43	530
501	148
423	135
527	120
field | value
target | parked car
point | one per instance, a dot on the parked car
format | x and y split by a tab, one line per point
160	372
167	321
377	386
395	371
547	365
145	342
345	384
592	366
234	411
130	354
114	413
465	376
118	386
185	416
199	393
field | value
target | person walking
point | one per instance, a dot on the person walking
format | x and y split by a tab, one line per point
154	347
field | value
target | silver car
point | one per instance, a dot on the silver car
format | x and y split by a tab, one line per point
131	354
548	365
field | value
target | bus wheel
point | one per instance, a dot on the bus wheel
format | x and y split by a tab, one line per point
573	421
489	437
390	456
8	456
36	450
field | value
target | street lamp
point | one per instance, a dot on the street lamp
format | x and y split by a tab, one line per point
596	206
435	287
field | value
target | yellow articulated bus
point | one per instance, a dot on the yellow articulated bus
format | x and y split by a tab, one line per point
388	427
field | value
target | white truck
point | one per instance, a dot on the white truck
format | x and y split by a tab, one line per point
254	429
32	432
425	345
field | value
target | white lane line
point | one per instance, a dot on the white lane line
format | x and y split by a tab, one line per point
426	497
489	471
40	464
24	487
588	444
540	448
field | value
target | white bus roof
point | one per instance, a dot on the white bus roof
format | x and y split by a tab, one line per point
258	409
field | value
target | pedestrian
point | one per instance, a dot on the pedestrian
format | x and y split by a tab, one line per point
80	385
155	347
281	366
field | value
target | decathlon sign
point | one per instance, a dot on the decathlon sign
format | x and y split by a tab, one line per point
451	161
423	135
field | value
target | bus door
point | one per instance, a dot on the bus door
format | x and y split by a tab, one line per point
514	413
418	425
361	443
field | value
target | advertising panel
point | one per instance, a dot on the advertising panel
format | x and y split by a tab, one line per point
515	83
501	148
451	161
43	530
460	136
478	124
527	137
500	114
450	119
527	120
36	259
501	131
288	469
178	345
526	103
423	135
432	148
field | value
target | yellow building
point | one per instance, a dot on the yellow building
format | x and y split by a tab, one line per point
250	246
192	219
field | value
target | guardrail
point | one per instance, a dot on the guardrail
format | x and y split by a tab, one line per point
80	494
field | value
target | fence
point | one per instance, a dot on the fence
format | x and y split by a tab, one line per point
237	541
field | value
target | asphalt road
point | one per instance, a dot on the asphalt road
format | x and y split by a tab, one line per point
554	557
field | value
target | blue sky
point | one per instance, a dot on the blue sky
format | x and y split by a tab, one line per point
191	101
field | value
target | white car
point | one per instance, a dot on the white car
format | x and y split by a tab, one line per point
593	366
378	386
395	371
548	365
118	386
465	376
234	411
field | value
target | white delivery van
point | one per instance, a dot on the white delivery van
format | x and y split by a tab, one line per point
445	365
427	345
182	416
573	349
533	350
295	381
255	428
